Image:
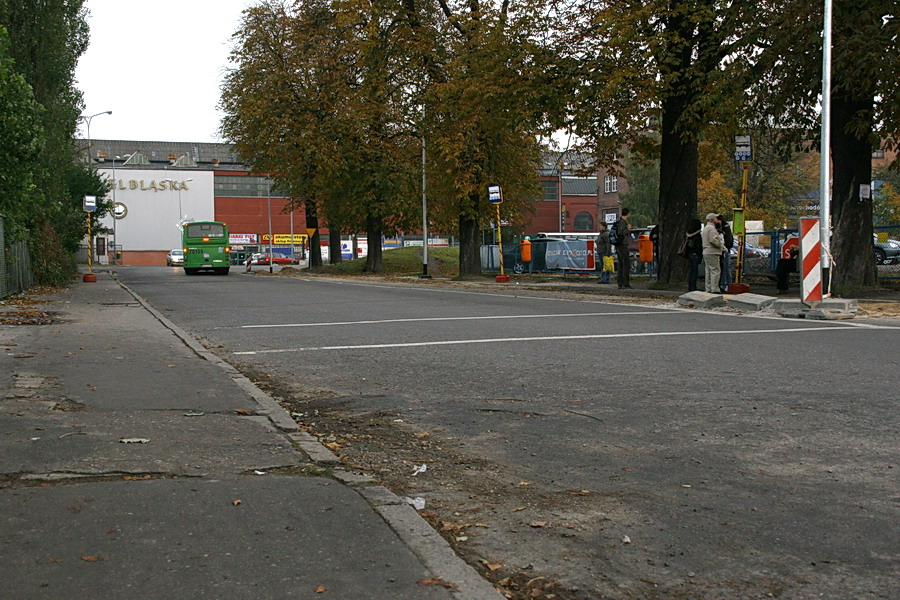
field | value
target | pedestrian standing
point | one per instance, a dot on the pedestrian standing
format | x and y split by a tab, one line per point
728	237
623	236
694	252
713	244
604	249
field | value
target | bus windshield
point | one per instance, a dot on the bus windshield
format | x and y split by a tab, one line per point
205	230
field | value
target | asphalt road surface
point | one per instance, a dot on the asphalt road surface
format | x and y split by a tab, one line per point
580	448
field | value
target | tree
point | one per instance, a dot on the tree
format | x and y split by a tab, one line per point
485	102
658	68
320	101
23	142
865	107
886	205
642	197
46	39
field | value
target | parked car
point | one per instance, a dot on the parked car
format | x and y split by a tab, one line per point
887	253
751	251
175	257
274	258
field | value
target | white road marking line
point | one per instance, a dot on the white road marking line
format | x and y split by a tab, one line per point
540	339
477	318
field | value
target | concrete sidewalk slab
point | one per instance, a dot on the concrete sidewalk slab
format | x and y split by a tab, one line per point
254	538
84	515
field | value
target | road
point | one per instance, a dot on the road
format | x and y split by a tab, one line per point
577	448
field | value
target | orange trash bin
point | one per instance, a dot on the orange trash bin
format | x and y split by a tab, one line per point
645	248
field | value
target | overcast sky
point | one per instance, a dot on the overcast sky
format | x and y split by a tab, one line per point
158	66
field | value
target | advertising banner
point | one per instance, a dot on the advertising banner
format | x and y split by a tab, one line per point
242	238
577	255
284	239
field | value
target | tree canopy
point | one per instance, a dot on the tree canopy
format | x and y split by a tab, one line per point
39	111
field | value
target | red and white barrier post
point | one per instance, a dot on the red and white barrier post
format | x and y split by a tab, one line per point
811	260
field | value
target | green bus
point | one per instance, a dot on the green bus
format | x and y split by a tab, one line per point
205	245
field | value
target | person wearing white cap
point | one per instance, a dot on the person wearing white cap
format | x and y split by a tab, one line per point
713	246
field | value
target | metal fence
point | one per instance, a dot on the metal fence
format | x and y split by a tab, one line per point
762	251
15	265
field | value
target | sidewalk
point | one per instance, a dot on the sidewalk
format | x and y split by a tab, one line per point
136	464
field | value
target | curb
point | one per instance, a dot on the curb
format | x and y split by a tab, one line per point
427	544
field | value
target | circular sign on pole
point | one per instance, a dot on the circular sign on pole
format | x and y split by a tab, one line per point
119	210
495	194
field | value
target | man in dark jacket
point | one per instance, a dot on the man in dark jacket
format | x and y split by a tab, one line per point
725	277
623	233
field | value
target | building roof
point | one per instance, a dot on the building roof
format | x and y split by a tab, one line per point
579	186
566	163
198	155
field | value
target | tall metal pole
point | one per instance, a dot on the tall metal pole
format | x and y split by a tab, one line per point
825	154
425	274
269	202
292	231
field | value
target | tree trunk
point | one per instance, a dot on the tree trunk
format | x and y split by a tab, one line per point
469	240
315	245
334	244
852	245
677	190
373	232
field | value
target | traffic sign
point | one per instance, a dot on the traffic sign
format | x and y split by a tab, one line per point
792	241
495	194
743	148
90	203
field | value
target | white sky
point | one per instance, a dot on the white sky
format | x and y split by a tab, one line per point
158	66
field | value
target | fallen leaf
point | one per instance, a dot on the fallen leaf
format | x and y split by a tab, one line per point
423	434
627	469
171	366
241	411
236	502
321	589
521	508
437	581
137	477
91	558
493	566
538	523
524	483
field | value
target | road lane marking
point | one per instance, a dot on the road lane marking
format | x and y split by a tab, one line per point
478	318
540	339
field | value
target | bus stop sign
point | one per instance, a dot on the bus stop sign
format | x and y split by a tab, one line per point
495	194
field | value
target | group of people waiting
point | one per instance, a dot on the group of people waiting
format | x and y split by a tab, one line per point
711	244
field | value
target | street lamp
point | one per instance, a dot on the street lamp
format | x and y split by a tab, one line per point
180	215
87	120
269	204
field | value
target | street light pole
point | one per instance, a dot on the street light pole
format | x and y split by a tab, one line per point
269	203
181	214
87	120
90	276
824	154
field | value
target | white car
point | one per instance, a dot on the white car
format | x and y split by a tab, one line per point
175	258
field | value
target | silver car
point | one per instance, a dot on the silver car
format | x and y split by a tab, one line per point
175	258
